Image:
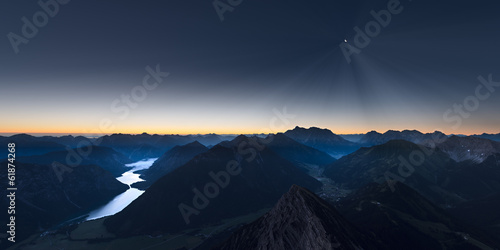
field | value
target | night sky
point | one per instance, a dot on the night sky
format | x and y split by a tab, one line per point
228	76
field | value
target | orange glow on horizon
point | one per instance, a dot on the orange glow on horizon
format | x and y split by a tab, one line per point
176	131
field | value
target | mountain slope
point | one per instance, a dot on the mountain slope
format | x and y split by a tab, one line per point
403	219
482	209
392	160
374	138
303	156
138	147
46	197
323	140
493	137
168	162
220	183
300	220
473	180
469	148
104	157
27	145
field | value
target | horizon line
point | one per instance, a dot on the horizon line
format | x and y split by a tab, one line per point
58	134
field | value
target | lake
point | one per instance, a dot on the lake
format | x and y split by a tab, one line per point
122	200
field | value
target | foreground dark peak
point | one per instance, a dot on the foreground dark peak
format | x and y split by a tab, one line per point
300	220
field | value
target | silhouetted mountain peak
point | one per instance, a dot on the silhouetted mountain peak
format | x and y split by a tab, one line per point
312	131
322	139
300	220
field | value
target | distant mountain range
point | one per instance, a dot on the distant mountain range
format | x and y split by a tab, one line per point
226	181
324	140
493	137
105	157
138	147
374	138
390	191
29	145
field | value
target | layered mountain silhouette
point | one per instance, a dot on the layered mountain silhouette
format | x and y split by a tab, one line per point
303	156
403	190
469	148
374	138
68	140
323	140
400	218
168	162
424	169
493	137
138	147
221	183
300	220
47	196
104	157
27	145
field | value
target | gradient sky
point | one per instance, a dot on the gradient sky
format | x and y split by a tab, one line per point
227	77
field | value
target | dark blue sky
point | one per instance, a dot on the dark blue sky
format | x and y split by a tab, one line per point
229	76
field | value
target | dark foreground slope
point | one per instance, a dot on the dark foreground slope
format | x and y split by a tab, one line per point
300	220
45	197
220	183
403	219
483	210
